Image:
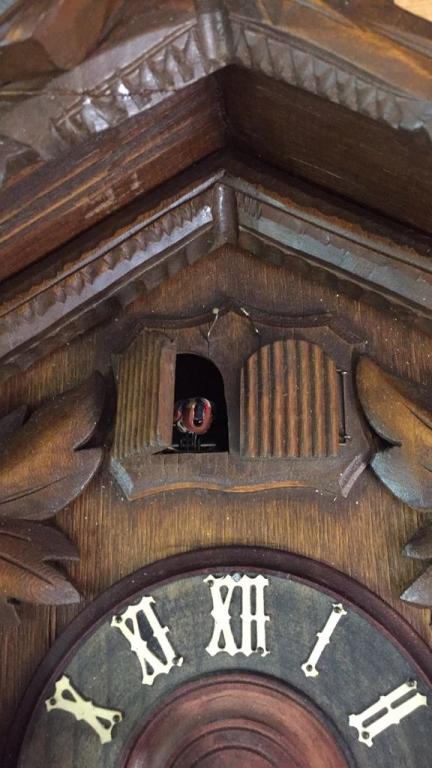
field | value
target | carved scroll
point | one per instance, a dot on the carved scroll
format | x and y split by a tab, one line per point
145	396
41	471
290	402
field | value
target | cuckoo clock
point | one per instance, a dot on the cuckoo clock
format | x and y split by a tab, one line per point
215	384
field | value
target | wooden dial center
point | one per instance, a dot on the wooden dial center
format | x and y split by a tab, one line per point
236	721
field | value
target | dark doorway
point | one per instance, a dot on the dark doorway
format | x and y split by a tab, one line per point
199	393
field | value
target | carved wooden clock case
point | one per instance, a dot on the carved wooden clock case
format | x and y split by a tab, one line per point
215	368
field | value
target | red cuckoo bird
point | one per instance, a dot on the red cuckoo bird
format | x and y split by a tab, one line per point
193	416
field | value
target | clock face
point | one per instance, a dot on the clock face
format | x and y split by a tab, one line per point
233	658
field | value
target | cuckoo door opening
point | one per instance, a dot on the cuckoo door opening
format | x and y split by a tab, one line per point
200	419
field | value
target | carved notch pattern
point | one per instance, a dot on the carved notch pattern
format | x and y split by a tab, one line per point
278	40
168	240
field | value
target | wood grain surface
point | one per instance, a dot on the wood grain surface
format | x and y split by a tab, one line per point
327	144
362	535
304	421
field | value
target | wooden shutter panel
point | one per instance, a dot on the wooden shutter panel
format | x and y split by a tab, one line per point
145	396
290	402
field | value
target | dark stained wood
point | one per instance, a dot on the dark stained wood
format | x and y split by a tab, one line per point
343	83
278	728
223	200
289	404
335	94
394	412
370	58
420	591
41	471
25	551
420	548
44	35
375	621
145	375
362	535
327	144
228	334
59	200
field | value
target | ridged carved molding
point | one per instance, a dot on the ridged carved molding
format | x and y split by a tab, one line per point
232	205
149	50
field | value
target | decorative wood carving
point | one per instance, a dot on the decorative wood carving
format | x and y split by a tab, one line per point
420	548
90	184
273	220
393	410
41	471
14	157
145	385
289	403
230	336
26	549
383	74
45	35
155	68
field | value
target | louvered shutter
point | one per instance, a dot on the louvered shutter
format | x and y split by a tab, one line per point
145	376
290	402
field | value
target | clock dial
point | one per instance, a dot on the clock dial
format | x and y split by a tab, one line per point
231	658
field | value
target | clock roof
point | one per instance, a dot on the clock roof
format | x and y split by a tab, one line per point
132	149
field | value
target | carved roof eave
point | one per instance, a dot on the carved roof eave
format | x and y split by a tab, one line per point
221	202
367	61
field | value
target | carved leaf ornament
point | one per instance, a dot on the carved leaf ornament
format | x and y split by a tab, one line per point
420	548
394	411
42	469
